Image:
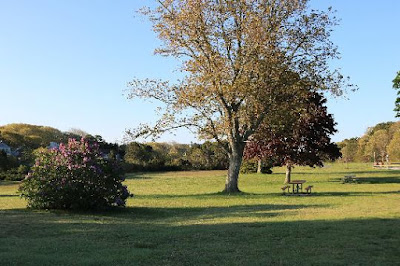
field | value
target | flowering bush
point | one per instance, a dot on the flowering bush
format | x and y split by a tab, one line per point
74	176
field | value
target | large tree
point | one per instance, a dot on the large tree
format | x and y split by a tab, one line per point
303	140
241	59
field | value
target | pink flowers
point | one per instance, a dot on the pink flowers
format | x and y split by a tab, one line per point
74	176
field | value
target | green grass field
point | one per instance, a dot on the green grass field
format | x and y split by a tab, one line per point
179	218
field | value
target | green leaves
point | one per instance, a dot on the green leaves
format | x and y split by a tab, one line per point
396	85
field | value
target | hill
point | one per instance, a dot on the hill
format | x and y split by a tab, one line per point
30	136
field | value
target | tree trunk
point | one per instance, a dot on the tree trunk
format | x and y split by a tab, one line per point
259	166
235	160
288	172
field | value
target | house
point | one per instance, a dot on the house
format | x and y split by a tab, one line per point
53	145
4	147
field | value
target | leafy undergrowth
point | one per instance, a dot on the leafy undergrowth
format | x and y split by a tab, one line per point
180	218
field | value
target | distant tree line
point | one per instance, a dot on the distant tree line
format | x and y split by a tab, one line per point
380	144
26	140
156	156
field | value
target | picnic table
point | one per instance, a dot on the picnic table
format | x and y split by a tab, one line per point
298	184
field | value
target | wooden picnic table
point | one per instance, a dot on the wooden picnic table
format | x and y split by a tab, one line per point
298	184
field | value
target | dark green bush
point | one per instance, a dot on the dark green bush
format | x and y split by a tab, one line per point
250	167
15	174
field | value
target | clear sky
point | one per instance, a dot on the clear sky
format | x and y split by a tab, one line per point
66	63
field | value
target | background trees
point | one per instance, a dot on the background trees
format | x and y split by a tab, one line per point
30	136
376	144
242	59
207	156
276	144
25	139
155	156
393	149
349	148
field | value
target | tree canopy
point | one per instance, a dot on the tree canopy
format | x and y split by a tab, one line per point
303	138
242	59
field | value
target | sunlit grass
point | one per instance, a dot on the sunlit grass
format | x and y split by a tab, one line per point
181	218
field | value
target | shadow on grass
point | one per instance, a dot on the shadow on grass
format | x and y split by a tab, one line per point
178	174
9	183
206	195
350	171
263	195
62	239
11	195
352	194
190	213
378	180
373	171
137	176
165	214
371	180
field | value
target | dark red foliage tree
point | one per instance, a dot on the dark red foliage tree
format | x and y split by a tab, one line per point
303	138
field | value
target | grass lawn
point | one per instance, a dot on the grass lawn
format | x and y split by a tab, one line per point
179	218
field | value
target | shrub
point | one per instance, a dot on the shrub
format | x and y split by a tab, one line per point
7	162
14	174
75	176
250	166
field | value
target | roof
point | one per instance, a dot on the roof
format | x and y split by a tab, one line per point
4	146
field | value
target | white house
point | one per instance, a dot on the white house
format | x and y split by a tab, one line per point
53	145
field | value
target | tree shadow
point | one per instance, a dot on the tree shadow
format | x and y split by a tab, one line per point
130	176
9	183
168	213
162	213
350	171
207	195
10	195
379	180
69	238
352	194
263	195
373	171
370	180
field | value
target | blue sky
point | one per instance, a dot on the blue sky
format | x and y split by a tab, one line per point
65	64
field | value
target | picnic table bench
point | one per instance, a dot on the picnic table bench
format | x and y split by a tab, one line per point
308	189
284	188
